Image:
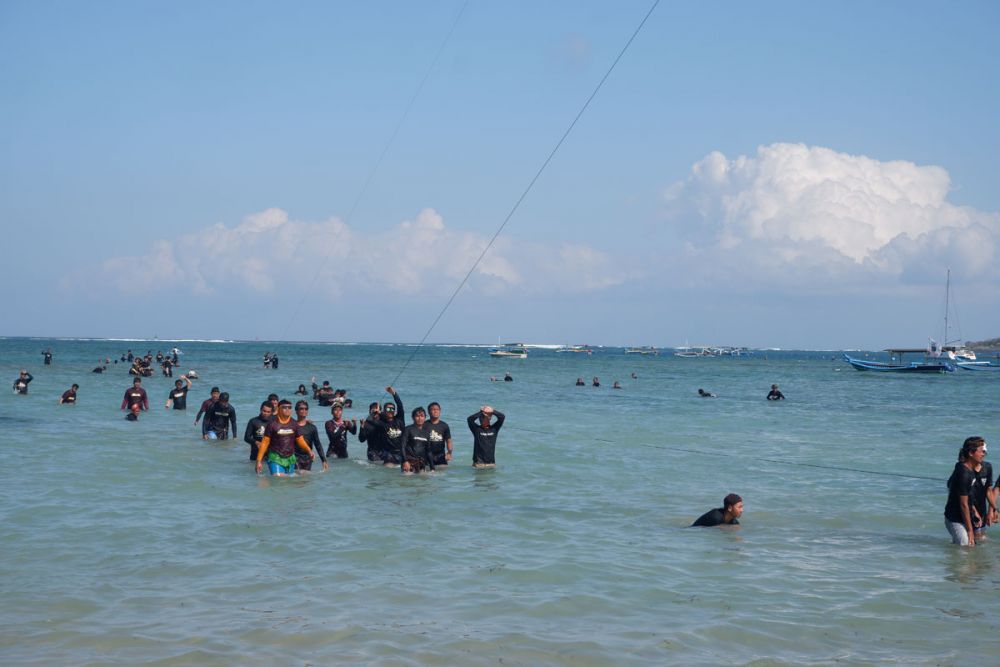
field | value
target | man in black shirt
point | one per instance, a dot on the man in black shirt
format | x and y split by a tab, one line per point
729	513
372	434
218	418
416	445
959	512
310	433
484	435
178	395
205	405
255	428
392	424
439	436
21	383
775	394
337	430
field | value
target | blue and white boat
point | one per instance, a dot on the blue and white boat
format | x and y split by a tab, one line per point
929	364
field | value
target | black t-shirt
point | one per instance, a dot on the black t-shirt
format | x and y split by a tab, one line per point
716	517
311	435
179	397
219	417
983	480
255	433
438	435
416	445
959	484
484	439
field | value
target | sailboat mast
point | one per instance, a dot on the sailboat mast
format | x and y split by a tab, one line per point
947	293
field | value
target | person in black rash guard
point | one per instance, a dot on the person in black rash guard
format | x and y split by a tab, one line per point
484	436
206	404
775	394
274	360
729	513
439	436
416	444
310	433
393	422
301	391
959	512
47	357
218	418
337	430
22	381
177	398
324	394
705	394
135	395
982	499
255	428
372	434
69	396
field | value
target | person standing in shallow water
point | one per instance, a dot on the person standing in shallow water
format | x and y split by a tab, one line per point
281	437
484	435
69	396
775	394
337	430
960	516
22	381
177	398
135	395
310	434
729	513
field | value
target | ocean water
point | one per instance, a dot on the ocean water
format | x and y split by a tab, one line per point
140	544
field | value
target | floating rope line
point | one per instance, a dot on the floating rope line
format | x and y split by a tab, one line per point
524	194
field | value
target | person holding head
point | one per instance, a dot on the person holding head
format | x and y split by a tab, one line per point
337	429
310	434
281	437
775	394
135	395
439	436
729	513
22	381
206	404
69	396
178	395
960	515
218	418
416	444
47	356
484	436
255	428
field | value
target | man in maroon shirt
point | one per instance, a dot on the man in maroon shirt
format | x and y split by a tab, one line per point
135	395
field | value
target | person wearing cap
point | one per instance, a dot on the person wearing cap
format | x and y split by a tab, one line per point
729	513
177	398
281	437
337	430
206	404
135	395
69	396
21	382
218	418
484	435
439	436
310	434
775	394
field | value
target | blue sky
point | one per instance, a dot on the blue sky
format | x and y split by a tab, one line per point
767	174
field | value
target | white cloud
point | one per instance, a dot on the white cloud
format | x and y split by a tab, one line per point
268	252
814	215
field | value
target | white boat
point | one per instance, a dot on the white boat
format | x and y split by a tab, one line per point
510	351
642	350
576	349
691	352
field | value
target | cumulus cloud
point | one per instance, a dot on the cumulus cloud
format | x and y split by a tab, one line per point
814	215
268	252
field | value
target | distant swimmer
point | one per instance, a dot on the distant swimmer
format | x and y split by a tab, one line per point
507	377
22	381
729	513
960	515
274	360
69	396
207	403
416	444
133	414
616	385
281	437
596	382
177	398
218	418
439	436
337	430
484	435
310	434
99	368
775	394
580	382
192	374
705	394
255	428
635	375
135	395
267	359
301	391
47	357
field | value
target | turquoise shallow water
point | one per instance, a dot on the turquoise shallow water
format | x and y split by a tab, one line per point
138	543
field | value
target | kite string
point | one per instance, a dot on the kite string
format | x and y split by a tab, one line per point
528	189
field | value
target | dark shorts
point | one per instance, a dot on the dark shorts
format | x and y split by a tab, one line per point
339	450
416	465
303	462
391	458
440	460
375	455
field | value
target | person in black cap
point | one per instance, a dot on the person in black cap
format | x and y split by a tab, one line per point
729	513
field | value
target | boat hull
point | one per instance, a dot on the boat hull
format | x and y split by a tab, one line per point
913	367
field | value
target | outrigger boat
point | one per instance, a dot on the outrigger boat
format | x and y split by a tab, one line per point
930	363
642	350
577	349
510	351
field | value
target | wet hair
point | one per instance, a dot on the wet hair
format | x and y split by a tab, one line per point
299	404
138	379
432	404
731	500
971	444
224	396
178	382
215	390
284	401
417	411
335	406
76	386
272	397
266	404
372	405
